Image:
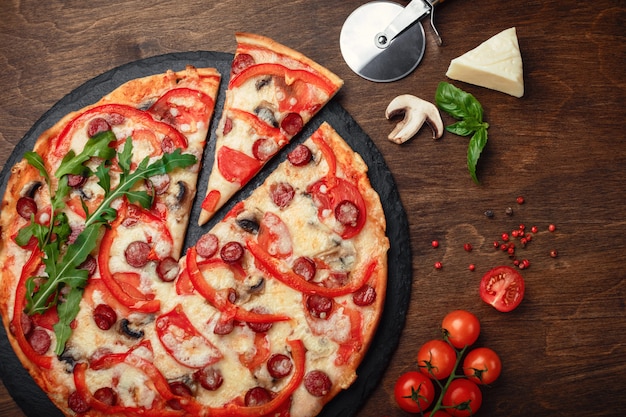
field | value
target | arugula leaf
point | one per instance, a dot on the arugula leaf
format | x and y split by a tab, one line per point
465	108
63	259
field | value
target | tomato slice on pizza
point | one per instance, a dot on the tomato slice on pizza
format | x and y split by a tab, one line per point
273	92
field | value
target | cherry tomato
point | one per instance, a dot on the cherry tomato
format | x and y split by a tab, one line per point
461	328
436	359
503	288
414	392
463	398
482	365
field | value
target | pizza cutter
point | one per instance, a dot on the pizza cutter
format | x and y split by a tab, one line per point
382	41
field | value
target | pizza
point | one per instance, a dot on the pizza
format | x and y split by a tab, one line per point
273	91
268	312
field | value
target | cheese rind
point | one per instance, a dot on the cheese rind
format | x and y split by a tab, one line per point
495	64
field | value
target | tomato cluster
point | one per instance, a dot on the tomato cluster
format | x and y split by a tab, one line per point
439	371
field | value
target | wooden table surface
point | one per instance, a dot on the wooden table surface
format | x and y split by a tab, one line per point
562	147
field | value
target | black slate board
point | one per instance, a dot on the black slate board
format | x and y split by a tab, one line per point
31	398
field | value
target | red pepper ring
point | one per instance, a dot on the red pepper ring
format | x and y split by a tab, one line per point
279	70
29	269
219	300
262	128
275	268
146	305
298	353
60	144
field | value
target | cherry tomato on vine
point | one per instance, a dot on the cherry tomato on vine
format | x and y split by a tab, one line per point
482	365
414	392
461	328
503	288
436	359
464	396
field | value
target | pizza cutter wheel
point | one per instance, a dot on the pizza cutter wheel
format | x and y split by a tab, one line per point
382	41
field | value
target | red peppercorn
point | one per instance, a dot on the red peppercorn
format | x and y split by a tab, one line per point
524	241
522	227
552	228
515	233
505	237
534	229
516	262
520	200
472	267
496	244
511	251
435	244
467	247
554	253
526	263
438	265
504	247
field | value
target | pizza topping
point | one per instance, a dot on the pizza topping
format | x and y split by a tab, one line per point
183	341
259	327
26	207
224	327
40	340
236	166
180	389
300	155
249	225
182	108
274	236
207	245
97	125
263	149
257	396
209	377
137	254
75	181
305	267
130	332
77	403
319	306
265	112
317	383
241	62
104	316
279	365
167	269
364	296
106	395
281	193
292	123
347	213
89	264
231	252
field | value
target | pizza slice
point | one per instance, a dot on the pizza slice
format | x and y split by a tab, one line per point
298	266
272	93
131	159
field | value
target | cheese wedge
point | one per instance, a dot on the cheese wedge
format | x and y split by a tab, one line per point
495	64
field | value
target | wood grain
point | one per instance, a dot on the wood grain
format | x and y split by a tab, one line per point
562	146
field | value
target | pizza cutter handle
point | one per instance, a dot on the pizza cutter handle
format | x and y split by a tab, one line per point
413	12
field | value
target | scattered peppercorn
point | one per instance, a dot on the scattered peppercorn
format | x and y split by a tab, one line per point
554	253
552	228
534	229
489	213
520	200
467	247
435	243
508	211
472	267
438	265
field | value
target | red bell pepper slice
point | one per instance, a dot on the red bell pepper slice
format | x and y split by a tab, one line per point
60	144
284	274
261	127
298	353
210	201
219	299
278	70
136	301
183	341
29	269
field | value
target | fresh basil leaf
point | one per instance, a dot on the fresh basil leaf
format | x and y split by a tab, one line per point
476	145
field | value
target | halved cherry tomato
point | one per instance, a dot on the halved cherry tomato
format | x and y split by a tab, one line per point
235	166
436	359
461	328
183	341
503	288
463	398
482	365
182	108
414	392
